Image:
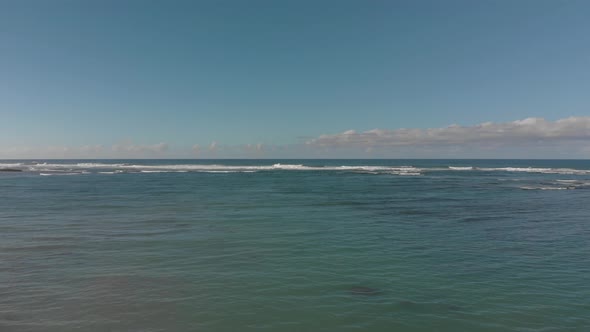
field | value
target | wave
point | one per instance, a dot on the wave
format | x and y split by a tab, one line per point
10	165
287	166
407	173
569	171
159	171
544	188
541	170
404	170
461	168
559	184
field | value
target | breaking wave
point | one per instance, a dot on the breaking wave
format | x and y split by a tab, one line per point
407	170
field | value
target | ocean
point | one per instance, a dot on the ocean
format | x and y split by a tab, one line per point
294	245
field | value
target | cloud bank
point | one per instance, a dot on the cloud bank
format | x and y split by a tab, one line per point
530	130
527	138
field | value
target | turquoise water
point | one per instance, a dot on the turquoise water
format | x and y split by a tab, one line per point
295	245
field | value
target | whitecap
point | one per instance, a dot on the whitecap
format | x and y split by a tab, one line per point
564	171
288	166
408	173
10	165
544	188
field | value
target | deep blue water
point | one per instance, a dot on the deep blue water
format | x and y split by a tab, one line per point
295	245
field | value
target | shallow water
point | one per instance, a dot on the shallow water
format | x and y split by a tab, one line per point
295	245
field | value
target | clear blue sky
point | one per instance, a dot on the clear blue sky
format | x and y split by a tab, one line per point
281	73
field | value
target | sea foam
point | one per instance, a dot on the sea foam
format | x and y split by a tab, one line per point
118	167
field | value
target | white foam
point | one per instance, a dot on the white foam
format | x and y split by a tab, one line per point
573	183
544	188
224	172
408	173
369	169
461	168
290	167
287	166
564	171
397	170
94	165
10	165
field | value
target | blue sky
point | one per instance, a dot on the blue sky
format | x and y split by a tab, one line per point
266	79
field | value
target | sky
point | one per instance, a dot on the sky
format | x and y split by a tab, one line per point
294	79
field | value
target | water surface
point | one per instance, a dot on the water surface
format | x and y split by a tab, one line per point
295	245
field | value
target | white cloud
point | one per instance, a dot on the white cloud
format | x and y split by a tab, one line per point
526	138
140	149
530	130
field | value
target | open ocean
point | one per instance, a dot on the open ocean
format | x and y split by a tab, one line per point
294	245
